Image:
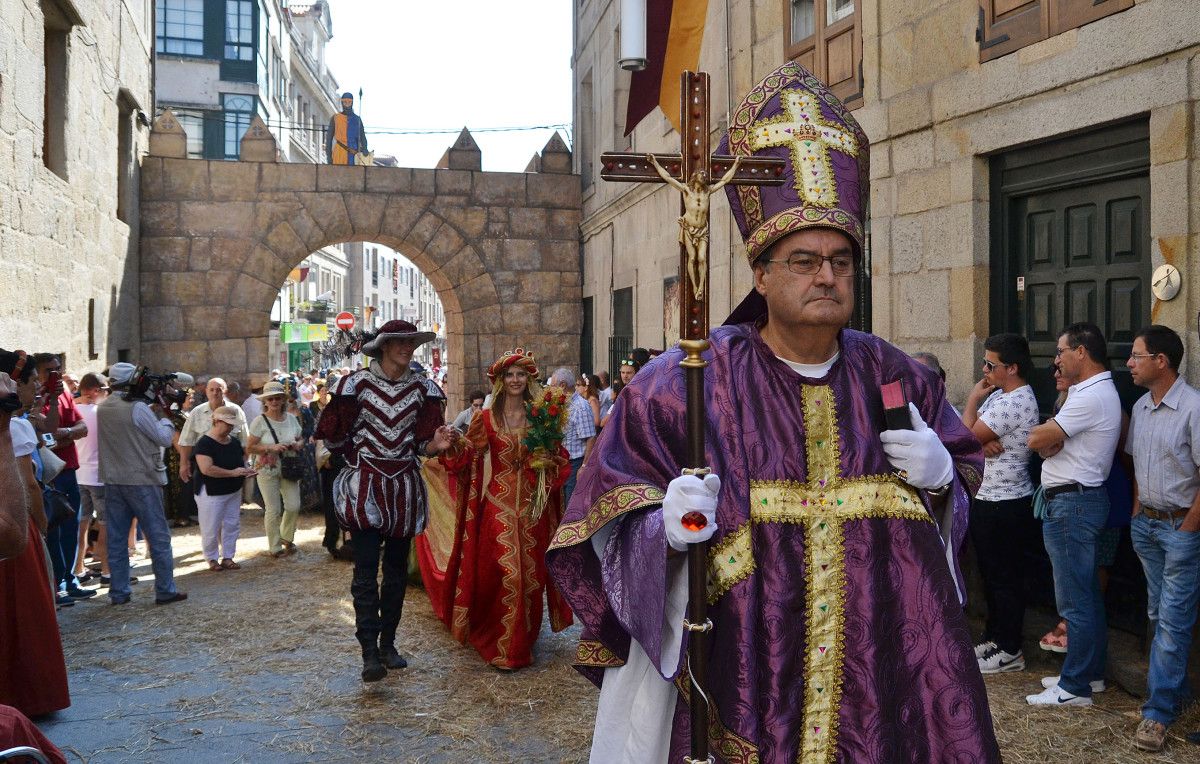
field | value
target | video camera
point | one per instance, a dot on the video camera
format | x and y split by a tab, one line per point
163	389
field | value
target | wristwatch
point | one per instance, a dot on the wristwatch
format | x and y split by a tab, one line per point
939	491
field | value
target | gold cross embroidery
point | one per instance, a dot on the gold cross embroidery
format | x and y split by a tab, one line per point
822	505
802	129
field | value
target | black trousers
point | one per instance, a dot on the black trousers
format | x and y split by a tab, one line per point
1005	535
333	531
377	608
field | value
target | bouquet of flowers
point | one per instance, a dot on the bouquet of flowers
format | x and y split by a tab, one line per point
546	416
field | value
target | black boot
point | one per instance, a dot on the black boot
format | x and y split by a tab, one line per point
373	669
391	658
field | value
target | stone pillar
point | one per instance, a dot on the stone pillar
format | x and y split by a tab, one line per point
463	155
258	145
556	157
167	137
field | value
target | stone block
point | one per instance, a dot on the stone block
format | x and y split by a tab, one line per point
423	231
555	157
288	176
165	253
285	243
206	322
389	180
895	62
150	288
1170	133
468	221
560	255
529	222
150	181
306	228
913	151
192	289
401	213
943	43
558	191
518	255
424	182
520	318
968	314
920	190
463	267
497	222
501	188
226	254
1169	207
337	177
366	213
329	212
536	286
217	218
246	322
923	305
564	224
479	292
257	350
908	244
185	179
273	208
160	218
228	356
562	316
452	182
910	110
162	322
187	355
230	181
444	245
265	265
200	255
167	136
464	154
249	292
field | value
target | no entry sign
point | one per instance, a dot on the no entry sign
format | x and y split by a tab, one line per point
344	321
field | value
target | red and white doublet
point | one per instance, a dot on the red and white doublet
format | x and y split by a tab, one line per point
381	426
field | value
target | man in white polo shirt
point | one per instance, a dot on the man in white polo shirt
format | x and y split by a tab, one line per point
1078	445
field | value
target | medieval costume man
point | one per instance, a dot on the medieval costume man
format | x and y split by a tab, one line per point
483	559
838	628
346	137
381	419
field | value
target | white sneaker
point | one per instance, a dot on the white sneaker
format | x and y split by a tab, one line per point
1056	696
982	648
996	661
1052	681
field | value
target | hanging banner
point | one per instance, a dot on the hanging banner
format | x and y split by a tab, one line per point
295	333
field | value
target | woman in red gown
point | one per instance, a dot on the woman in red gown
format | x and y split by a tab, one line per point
483	554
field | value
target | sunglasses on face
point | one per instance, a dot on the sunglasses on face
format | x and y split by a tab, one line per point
989	366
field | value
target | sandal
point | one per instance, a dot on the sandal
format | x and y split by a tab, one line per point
214	565
289	547
1055	640
229	564
278	554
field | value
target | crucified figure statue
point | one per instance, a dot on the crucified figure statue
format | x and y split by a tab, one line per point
693	223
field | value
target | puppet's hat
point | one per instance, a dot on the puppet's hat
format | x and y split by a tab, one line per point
791	115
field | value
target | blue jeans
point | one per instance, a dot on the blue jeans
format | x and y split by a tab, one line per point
1071	530
122	503
569	486
1171	559
62	539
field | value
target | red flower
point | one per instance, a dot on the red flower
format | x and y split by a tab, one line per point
536	411
553	410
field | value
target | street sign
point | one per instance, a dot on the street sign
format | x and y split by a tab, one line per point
344	321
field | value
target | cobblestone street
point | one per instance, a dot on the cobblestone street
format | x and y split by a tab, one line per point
261	665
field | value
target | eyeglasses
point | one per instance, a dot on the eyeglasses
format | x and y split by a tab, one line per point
1139	356
989	366
1059	351
809	265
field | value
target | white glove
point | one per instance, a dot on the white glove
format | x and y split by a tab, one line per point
918	454
689	493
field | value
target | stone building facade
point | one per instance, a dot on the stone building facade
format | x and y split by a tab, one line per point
1032	163
75	95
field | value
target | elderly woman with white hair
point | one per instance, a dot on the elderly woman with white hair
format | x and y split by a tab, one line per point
275	439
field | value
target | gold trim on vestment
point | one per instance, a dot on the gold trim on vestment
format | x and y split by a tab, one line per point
592	652
613	503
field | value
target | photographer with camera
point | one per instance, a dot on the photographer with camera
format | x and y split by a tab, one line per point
62	421
133	434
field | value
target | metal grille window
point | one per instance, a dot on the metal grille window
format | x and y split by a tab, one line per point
239	30
239	110
180	27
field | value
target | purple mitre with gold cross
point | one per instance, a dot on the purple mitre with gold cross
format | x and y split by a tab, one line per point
791	115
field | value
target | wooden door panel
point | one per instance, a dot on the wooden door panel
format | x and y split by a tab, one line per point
1040	246
1079	228
1081	302
1041	317
1126	312
1069	14
1125	230
1003	7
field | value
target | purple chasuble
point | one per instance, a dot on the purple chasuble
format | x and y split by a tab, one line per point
838	633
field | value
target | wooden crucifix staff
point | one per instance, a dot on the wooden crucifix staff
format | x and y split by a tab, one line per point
690	172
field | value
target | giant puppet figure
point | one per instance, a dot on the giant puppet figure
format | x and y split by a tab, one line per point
838	632
346	138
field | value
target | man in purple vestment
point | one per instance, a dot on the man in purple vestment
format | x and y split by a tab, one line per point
838	628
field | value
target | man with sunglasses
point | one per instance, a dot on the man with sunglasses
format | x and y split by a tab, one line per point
1001	411
1078	444
1164	442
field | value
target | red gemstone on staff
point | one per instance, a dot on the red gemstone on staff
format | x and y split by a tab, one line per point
693	521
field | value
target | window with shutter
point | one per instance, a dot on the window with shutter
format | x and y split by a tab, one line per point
825	37
1009	25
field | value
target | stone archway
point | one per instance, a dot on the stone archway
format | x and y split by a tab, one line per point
218	238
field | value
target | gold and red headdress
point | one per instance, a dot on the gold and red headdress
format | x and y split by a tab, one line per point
515	357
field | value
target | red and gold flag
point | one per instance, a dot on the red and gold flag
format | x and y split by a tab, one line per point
674	31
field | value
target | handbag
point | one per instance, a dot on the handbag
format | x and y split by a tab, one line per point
52	464
291	464
57	506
